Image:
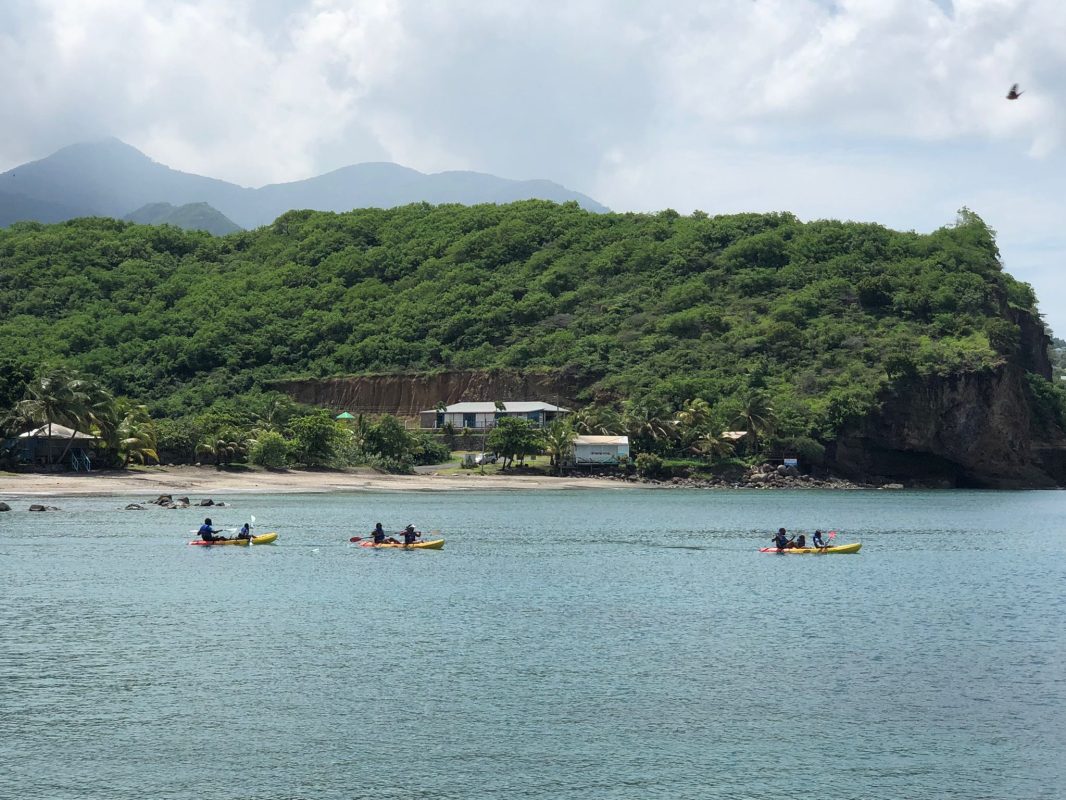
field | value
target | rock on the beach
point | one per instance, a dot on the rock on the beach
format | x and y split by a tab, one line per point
4	507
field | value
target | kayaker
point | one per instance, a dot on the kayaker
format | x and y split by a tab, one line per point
207	533
410	535
816	540
781	539
379	534
245	532
801	541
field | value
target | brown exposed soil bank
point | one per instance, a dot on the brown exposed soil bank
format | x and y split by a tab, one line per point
407	394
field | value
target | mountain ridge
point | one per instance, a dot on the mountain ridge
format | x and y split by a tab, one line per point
111	178
189	217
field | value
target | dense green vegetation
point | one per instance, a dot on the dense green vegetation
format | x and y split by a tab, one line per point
775	326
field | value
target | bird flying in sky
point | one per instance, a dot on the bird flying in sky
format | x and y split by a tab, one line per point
1014	94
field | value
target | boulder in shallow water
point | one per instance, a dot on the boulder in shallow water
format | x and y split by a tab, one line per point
184	500
134	507
207	501
39	507
4	507
163	500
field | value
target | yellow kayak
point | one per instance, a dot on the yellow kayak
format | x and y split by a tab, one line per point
263	538
431	544
818	551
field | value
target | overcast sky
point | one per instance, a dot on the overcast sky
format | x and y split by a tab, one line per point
885	110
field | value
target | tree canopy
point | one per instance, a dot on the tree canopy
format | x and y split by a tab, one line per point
811	319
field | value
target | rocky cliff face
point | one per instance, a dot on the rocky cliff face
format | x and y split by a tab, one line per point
407	394
970	429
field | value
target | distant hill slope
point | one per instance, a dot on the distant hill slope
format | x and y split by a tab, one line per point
190	217
111	178
19	207
888	353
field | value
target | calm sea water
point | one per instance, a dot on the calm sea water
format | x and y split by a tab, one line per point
583	644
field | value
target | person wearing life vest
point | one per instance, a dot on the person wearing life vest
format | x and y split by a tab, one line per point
780	539
207	533
410	535
245	532
816	540
378	534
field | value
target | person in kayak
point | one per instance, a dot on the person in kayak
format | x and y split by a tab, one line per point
801	541
780	539
816	540
410	535
245	532
207	533
379	534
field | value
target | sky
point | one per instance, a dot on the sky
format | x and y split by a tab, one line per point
890	111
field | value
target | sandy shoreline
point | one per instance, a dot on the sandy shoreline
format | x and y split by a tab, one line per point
206	481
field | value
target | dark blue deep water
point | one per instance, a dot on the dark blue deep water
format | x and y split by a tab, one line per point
581	644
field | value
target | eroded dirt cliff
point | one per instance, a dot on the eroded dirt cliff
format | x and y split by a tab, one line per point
409	393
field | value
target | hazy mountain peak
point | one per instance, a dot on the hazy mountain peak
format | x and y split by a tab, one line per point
108	177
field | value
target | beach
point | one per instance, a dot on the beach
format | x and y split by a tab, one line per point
207	481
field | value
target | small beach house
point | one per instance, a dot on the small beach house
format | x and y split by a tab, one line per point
483	416
56	444
592	451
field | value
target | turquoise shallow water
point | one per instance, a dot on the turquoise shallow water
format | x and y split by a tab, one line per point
583	644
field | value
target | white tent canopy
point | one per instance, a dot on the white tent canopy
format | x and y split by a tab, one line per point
58	432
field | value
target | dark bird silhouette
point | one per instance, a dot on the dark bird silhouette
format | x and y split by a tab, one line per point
1014	94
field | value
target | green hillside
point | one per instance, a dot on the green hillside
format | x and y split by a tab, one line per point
189	217
656	309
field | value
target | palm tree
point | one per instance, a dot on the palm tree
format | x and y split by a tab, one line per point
693	421
101	413
713	446
596	421
558	439
224	446
695	414
55	397
136	435
757	417
645	424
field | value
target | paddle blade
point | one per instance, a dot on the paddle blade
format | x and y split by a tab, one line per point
356	539
832	535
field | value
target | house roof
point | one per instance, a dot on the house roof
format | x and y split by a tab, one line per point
734	436
58	432
521	407
601	440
